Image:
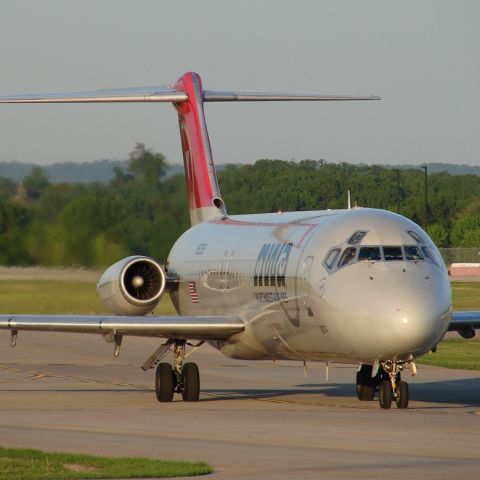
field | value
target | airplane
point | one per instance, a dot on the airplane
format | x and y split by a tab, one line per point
360	285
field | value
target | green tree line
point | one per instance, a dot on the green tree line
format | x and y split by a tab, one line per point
141	212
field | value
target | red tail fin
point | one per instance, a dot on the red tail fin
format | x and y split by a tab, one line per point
204	198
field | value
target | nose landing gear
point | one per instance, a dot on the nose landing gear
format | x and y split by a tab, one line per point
182	378
392	386
388	381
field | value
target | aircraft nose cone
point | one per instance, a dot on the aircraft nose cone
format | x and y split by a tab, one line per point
414	319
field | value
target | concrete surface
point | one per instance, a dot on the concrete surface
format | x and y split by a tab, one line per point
255	419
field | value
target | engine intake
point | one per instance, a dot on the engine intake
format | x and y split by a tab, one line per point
132	286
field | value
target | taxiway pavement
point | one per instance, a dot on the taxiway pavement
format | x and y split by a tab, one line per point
254	420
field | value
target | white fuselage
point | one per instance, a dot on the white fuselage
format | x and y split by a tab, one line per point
288	277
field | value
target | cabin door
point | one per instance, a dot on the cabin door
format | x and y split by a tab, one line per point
307	268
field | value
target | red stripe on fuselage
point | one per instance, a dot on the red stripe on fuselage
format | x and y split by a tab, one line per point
309	227
200	175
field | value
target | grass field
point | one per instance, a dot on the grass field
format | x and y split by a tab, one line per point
459	352
56	297
70	297
455	353
50	296
466	295
25	464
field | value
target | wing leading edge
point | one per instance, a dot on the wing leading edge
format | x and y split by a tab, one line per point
183	327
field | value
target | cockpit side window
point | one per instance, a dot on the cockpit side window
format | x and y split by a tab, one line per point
392	254
369	254
413	253
430	256
357	237
415	236
331	258
348	256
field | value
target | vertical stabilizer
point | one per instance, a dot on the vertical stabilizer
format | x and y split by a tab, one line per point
205	202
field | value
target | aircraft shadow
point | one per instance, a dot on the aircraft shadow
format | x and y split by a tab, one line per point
73	390
462	392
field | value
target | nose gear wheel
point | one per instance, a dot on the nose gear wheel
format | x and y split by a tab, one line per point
401	397
385	394
391	386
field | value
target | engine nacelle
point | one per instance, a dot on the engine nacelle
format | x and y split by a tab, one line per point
132	286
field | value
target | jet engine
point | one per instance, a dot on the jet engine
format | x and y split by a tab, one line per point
132	286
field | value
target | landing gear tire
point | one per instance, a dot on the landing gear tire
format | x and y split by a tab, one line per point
365	393
401	398
164	382
365	384
191	382
385	394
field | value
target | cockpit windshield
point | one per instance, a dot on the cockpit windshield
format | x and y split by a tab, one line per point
352	252
392	253
374	253
348	256
369	254
413	253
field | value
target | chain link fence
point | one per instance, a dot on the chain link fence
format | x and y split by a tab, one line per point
460	255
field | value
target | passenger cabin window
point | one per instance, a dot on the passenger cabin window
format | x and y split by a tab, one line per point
392	253
356	237
332	257
413	253
348	256
369	254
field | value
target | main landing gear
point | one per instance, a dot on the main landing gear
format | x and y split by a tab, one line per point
388	382
183	378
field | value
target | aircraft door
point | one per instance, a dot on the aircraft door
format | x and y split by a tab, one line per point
307	268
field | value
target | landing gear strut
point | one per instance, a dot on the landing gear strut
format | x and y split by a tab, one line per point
392	386
182	378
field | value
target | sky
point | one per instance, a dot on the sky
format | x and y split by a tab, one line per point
421	57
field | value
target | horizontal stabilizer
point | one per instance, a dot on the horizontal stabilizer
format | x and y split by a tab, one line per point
167	94
119	95
218	96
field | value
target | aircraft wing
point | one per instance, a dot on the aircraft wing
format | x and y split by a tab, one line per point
465	323
172	327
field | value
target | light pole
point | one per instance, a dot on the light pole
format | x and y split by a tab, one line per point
425	200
